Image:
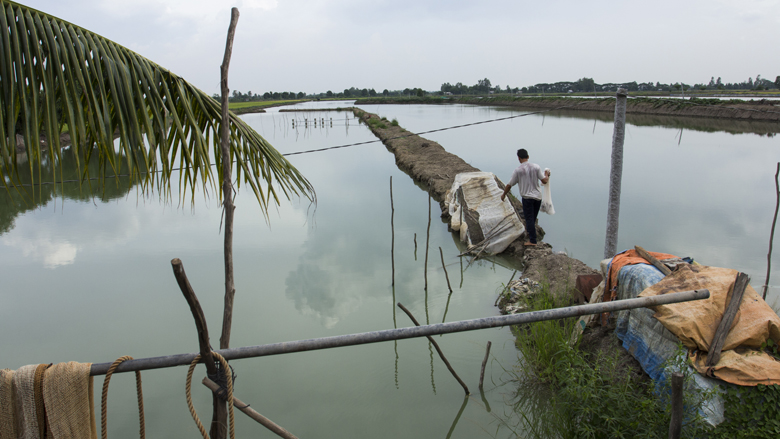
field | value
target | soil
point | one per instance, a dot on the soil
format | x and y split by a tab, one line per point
755	110
600	342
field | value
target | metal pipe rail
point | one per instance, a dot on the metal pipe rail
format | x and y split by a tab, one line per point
403	333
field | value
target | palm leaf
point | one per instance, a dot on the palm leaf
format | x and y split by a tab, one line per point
134	113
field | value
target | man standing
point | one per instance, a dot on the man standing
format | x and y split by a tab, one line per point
528	175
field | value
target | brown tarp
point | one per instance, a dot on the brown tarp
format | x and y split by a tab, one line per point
695	323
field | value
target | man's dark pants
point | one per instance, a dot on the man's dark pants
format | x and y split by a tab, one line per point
530	212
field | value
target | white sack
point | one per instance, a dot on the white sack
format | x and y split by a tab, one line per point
547	206
498	223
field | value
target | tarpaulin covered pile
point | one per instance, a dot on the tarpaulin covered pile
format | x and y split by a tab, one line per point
652	336
694	323
485	222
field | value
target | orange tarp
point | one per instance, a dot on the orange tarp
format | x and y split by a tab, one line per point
695	323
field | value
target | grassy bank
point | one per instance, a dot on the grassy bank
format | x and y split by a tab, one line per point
592	395
259	106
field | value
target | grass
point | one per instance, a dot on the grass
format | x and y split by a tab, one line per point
589	398
262	104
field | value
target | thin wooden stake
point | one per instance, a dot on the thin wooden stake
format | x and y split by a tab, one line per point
484	363
675	426
392	232
265	422
438	349
737	292
772	234
505	288
427	240
446	276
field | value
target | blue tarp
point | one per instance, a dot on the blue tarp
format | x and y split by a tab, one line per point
648	340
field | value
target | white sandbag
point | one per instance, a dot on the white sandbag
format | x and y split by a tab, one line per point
547	205
485	222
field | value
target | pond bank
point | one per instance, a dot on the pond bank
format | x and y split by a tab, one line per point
757	110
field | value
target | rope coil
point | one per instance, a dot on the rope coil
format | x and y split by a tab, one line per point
104	398
188	391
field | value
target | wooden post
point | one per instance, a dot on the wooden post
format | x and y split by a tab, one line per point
220	409
265	422
438	349
219	413
740	283
675	425
653	260
772	233
616	174
484	363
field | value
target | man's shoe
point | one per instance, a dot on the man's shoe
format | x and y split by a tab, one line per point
529	244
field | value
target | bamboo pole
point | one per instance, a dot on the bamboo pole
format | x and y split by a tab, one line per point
404	333
772	233
616	174
265	422
438	350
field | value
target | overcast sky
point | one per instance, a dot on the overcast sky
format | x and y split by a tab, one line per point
319	45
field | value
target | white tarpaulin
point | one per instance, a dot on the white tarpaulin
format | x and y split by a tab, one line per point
485	222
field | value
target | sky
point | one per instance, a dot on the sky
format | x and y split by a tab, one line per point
315	46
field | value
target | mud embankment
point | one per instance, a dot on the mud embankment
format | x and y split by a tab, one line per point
430	165
756	110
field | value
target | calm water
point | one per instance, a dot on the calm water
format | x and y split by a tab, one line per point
88	280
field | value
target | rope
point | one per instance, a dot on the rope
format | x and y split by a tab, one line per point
188	391
103	401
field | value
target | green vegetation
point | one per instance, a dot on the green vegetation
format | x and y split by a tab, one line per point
751	412
589	397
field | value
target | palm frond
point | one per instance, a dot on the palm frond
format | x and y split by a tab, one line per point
136	115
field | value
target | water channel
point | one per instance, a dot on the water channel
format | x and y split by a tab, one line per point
89	279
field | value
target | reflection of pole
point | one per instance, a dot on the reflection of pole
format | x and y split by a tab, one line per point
616	174
457	418
484	363
392	233
772	234
446	276
438	349
427	239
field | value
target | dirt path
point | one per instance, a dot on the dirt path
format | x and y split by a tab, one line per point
430	165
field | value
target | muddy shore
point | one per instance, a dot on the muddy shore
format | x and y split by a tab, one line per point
755	110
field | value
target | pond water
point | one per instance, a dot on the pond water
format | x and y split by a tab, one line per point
89	279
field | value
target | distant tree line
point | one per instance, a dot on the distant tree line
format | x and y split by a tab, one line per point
484	87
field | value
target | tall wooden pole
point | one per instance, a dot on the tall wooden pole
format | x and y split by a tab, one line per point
227	188
220	409
616	174
772	233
